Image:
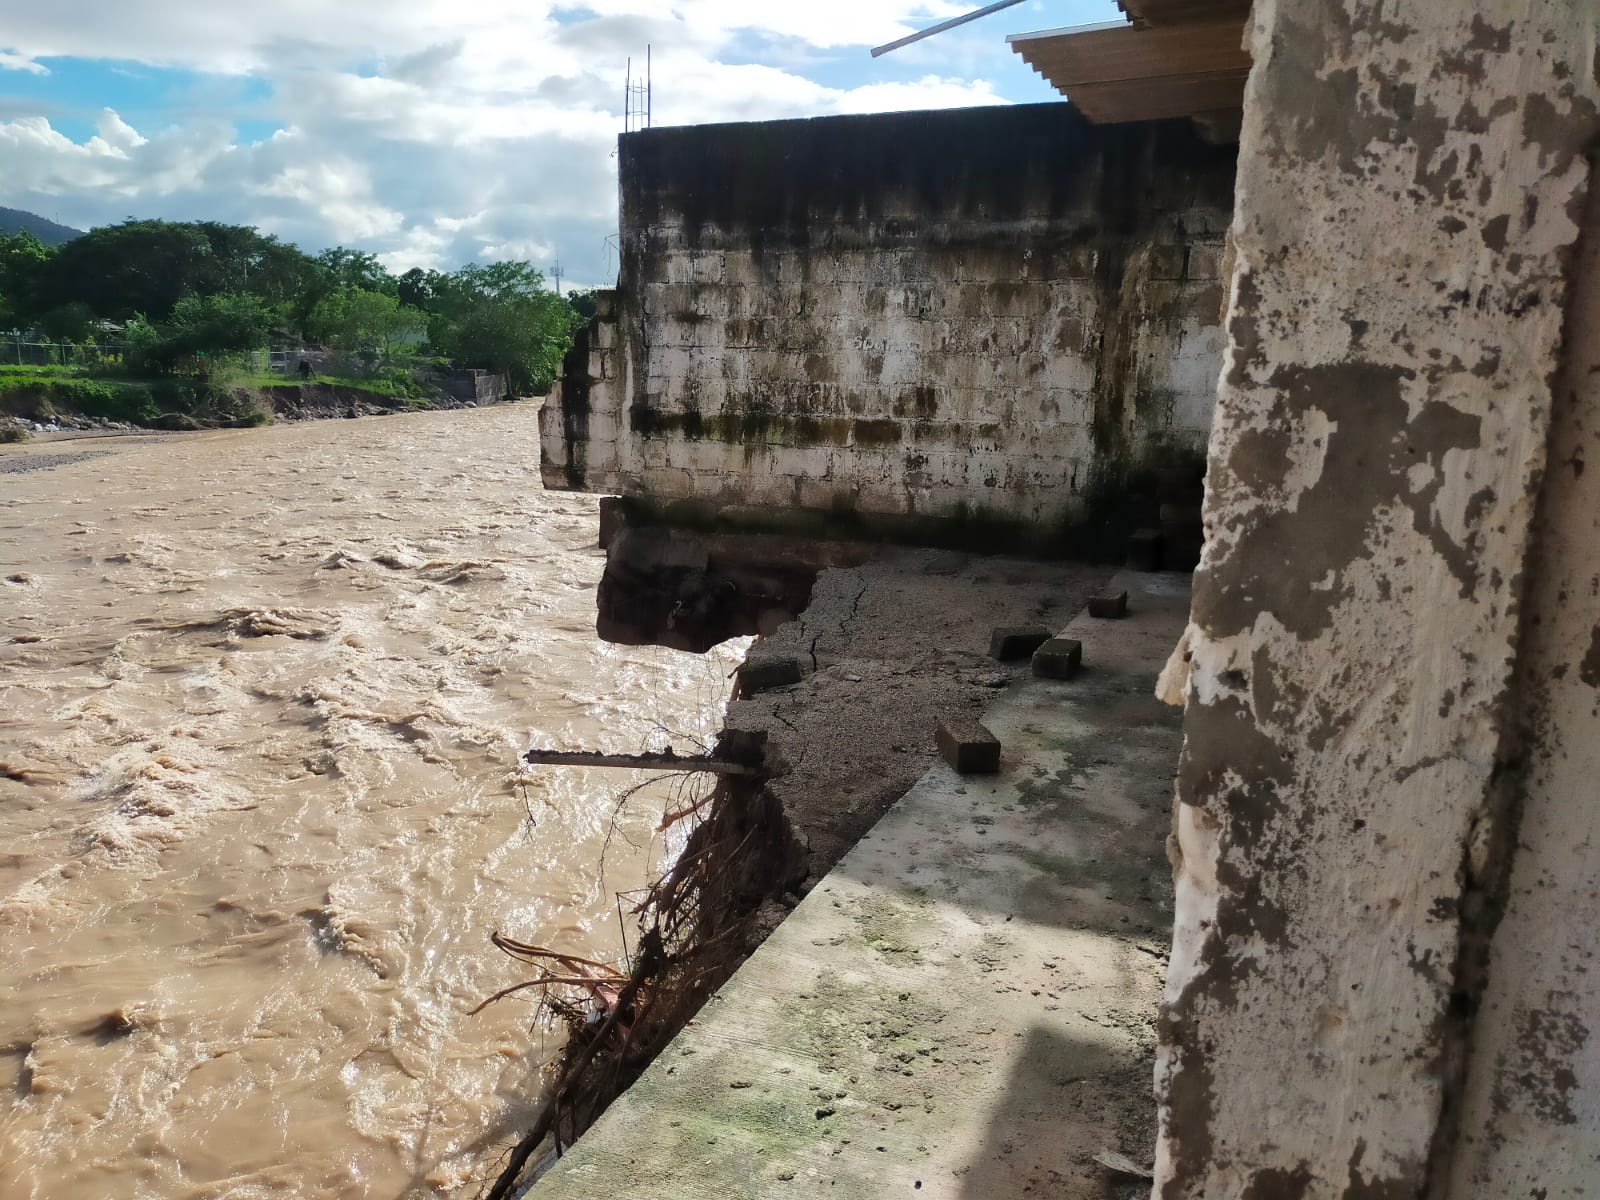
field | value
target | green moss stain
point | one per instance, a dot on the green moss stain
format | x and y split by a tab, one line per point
876	433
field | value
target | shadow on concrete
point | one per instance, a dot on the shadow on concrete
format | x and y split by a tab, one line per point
1065	1099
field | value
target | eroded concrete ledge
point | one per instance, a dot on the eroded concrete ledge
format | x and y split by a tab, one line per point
964	1006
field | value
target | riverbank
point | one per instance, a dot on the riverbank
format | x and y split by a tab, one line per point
883	649
35	407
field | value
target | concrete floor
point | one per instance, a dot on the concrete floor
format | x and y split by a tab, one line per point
964	1007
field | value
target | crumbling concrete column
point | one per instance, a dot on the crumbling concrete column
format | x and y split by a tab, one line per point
1530	1116
1410	182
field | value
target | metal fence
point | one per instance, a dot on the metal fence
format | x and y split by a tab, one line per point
21	352
17	351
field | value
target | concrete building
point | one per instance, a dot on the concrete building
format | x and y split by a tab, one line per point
915	314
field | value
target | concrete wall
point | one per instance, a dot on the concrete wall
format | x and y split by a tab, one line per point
901	313
1383	971
1530	1116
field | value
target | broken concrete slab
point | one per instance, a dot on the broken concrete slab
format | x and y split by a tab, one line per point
1059	658
1016	641
763	672
968	746
1109	608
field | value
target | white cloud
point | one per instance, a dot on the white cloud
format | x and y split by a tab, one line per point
433	132
17	62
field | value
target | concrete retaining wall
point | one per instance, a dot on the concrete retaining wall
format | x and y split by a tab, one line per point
904	313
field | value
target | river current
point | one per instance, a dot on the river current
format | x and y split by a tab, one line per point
262	696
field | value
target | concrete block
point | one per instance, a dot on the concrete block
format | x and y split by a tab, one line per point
1109	608
967	746
1144	550
1059	658
613	519
1009	642
761	673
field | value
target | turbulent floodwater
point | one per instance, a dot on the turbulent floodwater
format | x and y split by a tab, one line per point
261	699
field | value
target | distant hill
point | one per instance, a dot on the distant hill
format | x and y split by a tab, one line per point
14	220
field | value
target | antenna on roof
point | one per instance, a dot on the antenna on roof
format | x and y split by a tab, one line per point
942	26
636	97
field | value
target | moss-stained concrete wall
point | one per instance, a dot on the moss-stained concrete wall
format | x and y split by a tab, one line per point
902	313
1382	982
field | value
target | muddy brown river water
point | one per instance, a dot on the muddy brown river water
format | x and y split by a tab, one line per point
262	695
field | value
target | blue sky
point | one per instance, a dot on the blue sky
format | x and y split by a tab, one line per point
434	132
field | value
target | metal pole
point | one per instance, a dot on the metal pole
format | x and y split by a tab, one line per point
627	95
942	26
649	82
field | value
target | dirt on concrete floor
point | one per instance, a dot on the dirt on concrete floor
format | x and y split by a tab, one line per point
887	649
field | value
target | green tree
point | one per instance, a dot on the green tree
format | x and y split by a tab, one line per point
347	268
23	259
584	303
149	266
201	329
368	324
500	318
72	322
416	287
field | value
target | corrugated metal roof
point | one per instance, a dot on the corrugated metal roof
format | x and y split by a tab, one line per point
1147	13
1129	74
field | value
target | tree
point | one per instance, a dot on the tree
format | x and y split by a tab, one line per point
584	303
215	325
67	323
23	259
201	328
416	287
364	323
149	266
349	268
500	318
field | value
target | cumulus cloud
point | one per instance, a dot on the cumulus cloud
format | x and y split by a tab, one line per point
434	132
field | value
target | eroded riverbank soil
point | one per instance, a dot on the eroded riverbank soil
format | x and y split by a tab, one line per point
887	648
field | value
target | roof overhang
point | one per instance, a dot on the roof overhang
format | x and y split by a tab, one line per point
1114	73
1147	14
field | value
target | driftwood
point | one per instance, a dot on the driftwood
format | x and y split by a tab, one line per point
664	761
649	961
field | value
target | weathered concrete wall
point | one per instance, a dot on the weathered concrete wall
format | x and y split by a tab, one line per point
1410	179
1530	1121
901	313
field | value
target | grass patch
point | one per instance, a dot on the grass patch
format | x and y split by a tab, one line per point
397	383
